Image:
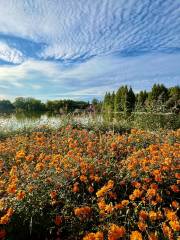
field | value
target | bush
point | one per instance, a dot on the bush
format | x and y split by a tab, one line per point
80	184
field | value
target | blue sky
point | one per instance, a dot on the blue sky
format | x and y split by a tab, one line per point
79	49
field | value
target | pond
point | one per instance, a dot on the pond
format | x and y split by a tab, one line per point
13	122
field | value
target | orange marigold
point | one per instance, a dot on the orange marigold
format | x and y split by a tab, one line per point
136	235
175	188
58	220
105	188
142	226
152	236
20	195
76	187
83	178
171	215
94	236
167	231
125	202
116	232
151	192
82	211
175	225
53	194
137	193
152	215
143	215
175	204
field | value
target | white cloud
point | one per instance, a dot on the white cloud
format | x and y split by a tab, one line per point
10	54
80	29
46	79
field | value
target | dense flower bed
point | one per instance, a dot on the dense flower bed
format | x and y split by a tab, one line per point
77	184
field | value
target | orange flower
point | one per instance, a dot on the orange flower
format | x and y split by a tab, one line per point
82	212
150	193
143	215
175	225
142	226
113	146
105	188
171	215
119	206
5	219
125	202
76	187
20	154
10	212
20	195
94	236
177	175
175	204
152	236
136	184
135	235
167	231
90	189
97	178
58	220
102	204
152	215
99	236
116	232
53	194
11	188
137	193
109	208
83	178
133	174
175	188
39	167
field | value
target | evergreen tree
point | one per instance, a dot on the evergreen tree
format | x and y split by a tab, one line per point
121	99
158	92
130	101
142	96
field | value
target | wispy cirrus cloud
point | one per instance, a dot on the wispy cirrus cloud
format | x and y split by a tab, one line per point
85	45
73	29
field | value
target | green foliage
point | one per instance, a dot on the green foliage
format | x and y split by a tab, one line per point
158	92
159	99
65	106
28	104
6	106
97	105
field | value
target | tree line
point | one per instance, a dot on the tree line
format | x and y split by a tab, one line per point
22	104
159	99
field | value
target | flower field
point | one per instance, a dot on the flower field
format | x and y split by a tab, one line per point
78	184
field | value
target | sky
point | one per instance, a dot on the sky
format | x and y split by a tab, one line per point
79	49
